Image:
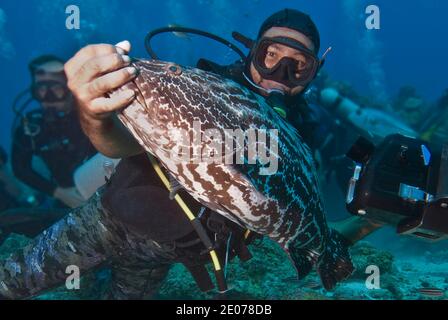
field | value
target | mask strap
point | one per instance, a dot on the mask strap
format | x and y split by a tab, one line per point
245	41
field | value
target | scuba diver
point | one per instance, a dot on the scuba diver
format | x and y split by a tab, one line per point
131	224
51	133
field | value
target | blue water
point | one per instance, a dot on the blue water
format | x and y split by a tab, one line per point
409	49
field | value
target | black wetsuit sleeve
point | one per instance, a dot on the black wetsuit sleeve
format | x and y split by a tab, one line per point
21	162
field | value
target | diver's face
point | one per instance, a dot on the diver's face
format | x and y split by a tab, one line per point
51	76
278	51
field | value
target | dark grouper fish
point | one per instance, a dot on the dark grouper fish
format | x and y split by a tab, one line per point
285	205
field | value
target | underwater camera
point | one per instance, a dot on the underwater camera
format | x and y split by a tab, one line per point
402	182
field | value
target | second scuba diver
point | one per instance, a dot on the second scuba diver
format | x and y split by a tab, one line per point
51	133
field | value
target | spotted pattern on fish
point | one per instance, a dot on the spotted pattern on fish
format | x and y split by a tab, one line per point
286	205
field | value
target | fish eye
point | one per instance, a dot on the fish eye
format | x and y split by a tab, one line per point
174	69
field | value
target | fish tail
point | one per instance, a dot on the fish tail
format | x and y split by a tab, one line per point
303	260
335	263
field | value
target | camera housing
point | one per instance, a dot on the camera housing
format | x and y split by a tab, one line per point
402	182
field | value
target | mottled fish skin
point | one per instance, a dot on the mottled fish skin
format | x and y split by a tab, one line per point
286	206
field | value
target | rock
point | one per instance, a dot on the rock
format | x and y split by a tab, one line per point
407	266
12	243
271	275
265	276
364	255
394	284
357	290
437	257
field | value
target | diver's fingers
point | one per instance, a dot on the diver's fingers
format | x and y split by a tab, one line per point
125	46
85	54
102	106
98	66
82	56
108	82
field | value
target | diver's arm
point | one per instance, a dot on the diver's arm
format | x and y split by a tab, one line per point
93	72
22	166
110	137
355	228
10	183
21	162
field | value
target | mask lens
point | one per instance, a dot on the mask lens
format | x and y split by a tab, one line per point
274	52
40	92
59	91
273	55
49	91
305	66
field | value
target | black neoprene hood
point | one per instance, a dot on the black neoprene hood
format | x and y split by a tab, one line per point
295	20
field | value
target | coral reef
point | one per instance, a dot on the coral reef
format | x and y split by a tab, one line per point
409	106
270	275
364	255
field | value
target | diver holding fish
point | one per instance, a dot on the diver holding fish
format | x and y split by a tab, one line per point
131	223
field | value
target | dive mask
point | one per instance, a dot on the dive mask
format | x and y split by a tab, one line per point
270	60
49	91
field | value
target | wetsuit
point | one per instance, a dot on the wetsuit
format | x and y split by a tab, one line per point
58	141
129	224
17	214
6	200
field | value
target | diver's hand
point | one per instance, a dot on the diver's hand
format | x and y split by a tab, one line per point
96	70
68	196
93	72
